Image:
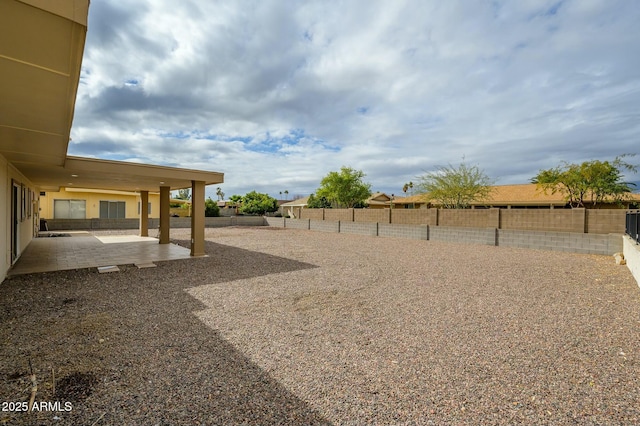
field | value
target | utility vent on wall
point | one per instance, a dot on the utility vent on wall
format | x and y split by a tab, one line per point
42	193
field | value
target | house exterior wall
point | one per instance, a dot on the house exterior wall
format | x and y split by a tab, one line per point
5	219
26	227
93	199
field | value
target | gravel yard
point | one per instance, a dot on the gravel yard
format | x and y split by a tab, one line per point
280	326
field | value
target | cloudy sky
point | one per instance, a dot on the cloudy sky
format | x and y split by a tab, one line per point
276	94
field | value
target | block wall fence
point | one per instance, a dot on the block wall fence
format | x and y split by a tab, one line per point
576	242
154	223
590	221
575	230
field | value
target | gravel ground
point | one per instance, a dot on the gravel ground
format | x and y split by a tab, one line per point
297	327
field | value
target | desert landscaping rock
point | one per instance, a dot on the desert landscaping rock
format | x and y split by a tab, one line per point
283	326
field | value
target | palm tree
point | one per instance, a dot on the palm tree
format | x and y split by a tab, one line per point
286	193
220	194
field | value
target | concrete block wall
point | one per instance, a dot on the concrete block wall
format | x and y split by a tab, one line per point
324	225
313	214
561	220
593	221
296	223
214	222
246	221
372	215
338	214
412	216
605	244
68	224
419	232
470	218
154	223
275	221
361	228
486	236
605	221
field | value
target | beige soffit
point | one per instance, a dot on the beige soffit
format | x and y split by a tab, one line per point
40	62
103	191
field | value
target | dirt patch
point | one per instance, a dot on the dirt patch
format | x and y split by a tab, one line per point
76	387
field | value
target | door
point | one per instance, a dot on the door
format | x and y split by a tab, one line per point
15	221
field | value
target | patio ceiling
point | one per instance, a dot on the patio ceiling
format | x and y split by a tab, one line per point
40	65
40	62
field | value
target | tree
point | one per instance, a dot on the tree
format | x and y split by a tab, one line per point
595	181
456	188
211	208
407	186
314	202
345	188
184	194
220	194
237	199
257	203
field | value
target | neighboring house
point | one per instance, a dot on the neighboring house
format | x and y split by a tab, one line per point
82	203
179	207
378	200
40	69
511	196
228	208
411	202
292	208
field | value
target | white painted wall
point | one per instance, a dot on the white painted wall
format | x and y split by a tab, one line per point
631	253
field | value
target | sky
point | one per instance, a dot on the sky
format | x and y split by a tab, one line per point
276	94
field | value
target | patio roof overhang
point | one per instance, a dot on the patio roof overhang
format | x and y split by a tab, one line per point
115	175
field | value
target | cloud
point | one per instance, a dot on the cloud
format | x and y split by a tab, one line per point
276	95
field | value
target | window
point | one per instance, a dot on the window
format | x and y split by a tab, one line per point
69	209
112	210
148	208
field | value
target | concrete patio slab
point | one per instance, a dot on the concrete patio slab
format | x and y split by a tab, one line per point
83	250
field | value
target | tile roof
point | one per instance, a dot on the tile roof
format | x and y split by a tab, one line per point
522	194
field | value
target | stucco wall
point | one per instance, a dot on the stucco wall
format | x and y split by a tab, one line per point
5	219
26	224
93	202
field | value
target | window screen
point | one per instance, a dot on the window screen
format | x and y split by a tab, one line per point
112	210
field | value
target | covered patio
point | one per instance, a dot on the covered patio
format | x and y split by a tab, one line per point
77	250
41	70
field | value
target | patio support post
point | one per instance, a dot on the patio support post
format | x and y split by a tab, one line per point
144	213
197	218
164	214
